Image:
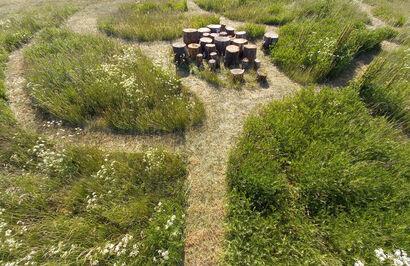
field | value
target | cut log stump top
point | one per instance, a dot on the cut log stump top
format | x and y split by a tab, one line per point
210	46
178	46
214	27
193	46
240	42
232	49
250	46
237	71
271	35
222	39
230	28
204	30
190	30
205	40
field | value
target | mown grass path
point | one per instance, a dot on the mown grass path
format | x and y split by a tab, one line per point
207	146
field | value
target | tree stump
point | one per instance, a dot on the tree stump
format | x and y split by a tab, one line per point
257	64
231	55
202	31
270	38
203	42
212	64
209	48
262	75
223	27
221	43
199	60
240	43
237	74
215	28
241	35
245	63
180	51
213	36
190	36
249	51
230	31
215	57
223	34
193	50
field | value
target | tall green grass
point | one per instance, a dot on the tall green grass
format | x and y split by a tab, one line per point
92	81
253	31
71	205
316	180
385	88
265	11
153	20
325	40
16	29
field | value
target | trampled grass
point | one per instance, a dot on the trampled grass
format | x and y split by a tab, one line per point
153	20
79	205
316	180
16	29
316	48
92	81
385	88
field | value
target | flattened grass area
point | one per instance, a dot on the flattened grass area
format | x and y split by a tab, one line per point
153	20
93	81
394	12
263	11
79	205
385	88
16	29
316	180
323	41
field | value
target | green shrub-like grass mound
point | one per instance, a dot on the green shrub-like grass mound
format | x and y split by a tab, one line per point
153	20
316	180
92	81
76	205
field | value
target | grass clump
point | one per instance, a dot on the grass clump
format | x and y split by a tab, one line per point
153	20
316	180
265	11
79	205
384	87
253	31
17	29
92	81
311	50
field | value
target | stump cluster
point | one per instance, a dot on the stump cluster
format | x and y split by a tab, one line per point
219	44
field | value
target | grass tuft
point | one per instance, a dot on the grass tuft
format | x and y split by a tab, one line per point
253	31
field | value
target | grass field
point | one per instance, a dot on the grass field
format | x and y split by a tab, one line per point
385	88
122	89
79	205
153	20
16	29
316	180
394	12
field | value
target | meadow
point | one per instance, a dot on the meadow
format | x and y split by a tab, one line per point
315	179
92	81
153	20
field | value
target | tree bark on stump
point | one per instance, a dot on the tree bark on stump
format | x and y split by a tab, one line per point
230	31
245	63
232	55
199	60
190	36
193	50
270	38
215	28
240	43
257	64
215	57
223	27
221	43
210	48
237	74
180	51
241	35
203	42
212	64
202	31
261	75
249	51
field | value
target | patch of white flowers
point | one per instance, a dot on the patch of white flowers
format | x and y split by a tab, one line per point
107	172
154	159
398	258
